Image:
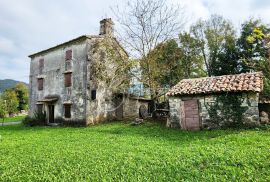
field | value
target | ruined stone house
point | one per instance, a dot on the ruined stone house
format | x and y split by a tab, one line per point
74	82
194	102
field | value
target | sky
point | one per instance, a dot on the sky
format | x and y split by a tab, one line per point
29	26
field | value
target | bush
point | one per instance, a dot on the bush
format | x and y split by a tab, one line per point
264	127
39	119
28	121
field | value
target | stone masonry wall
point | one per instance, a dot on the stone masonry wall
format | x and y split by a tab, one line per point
251	116
249	101
131	108
101	64
175	113
54	84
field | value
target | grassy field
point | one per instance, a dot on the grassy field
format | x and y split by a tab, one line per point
121	152
12	119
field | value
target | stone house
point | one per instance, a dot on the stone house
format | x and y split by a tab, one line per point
75	82
205	102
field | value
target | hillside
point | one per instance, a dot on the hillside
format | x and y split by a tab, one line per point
8	83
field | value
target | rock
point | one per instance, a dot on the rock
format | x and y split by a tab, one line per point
143	112
264	114
251	121
137	122
264	118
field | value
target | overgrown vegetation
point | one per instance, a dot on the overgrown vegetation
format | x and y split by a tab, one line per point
226	111
167	54
39	119
14	100
121	152
113	69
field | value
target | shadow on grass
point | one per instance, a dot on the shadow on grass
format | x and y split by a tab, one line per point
151	130
157	131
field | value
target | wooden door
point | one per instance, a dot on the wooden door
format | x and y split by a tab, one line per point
191	115
119	109
51	113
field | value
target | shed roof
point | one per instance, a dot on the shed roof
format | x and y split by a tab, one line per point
227	83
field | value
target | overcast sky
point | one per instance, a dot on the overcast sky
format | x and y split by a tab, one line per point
28	26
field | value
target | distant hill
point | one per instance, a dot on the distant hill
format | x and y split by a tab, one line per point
8	83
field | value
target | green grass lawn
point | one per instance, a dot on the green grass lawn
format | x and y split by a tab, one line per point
121	152
12	119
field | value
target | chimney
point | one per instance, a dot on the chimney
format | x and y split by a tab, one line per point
106	27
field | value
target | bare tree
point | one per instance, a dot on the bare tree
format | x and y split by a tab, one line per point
144	25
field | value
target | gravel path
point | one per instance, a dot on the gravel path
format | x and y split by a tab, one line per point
10	123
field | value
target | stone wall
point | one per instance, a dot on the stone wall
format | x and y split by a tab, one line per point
84	110
131	107
174	120
102	77
251	116
249	101
54	84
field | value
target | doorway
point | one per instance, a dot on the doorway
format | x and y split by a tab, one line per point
119	107
191	119
51	113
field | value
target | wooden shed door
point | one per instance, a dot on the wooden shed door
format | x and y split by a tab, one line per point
191	115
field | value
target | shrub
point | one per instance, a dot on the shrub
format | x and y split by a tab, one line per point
227	112
28	121
39	119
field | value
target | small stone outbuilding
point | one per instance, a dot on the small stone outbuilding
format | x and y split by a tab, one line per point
205	102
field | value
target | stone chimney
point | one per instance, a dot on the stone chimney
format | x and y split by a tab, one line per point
106	27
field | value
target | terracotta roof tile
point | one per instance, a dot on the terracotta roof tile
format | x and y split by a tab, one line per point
226	83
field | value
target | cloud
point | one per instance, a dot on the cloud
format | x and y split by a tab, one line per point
240	10
6	46
29	26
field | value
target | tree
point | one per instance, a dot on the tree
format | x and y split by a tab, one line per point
191	60
22	95
174	61
251	44
165	60
227	59
212	35
10	98
3	110
144	25
253	52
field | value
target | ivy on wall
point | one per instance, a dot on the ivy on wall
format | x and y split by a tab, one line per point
109	64
227	110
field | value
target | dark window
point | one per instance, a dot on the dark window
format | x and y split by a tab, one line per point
40	83
93	94
39	108
67	110
68	79
69	54
41	65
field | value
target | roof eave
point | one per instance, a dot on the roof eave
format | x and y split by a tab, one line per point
210	93
59	45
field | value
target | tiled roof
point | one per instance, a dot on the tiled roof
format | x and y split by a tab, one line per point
226	83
